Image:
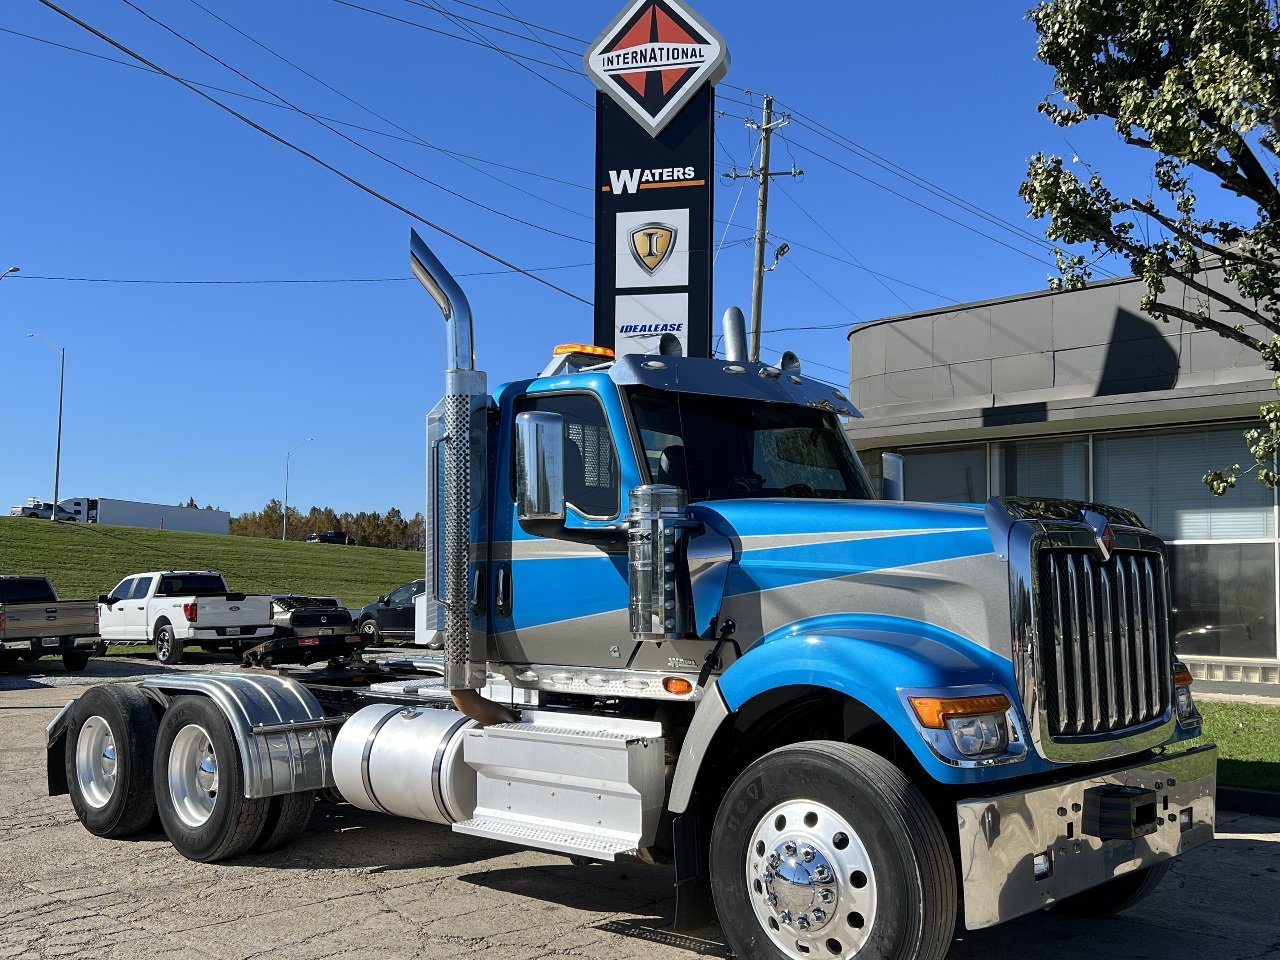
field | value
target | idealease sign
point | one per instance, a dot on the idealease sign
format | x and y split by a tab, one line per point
655	65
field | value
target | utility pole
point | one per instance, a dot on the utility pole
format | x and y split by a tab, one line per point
766	128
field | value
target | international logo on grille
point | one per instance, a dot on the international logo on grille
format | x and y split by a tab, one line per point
652	244
654	57
1103	536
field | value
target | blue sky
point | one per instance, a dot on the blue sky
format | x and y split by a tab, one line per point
177	390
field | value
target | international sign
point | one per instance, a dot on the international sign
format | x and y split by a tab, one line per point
654	57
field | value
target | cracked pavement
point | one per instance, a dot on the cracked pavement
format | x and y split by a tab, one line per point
361	885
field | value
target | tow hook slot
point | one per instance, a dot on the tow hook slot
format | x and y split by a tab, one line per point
1119	813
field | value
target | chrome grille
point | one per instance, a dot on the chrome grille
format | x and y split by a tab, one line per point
1104	640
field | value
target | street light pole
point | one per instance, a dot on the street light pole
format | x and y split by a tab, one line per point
284	532
62	379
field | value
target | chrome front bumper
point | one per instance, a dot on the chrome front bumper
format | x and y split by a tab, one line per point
1020	852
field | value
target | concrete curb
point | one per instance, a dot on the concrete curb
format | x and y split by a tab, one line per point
1260	803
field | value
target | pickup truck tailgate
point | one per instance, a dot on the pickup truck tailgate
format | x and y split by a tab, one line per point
62	618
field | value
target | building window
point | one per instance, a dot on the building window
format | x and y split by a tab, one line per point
1223	602
1041	468
946	474
1157	475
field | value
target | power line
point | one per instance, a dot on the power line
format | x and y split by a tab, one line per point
851	263
460	19
311	156
410	138
511	16
354	142
843	306
301	280
453	36
917	203
515	58
836	241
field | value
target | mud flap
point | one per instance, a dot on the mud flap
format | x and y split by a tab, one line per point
691	840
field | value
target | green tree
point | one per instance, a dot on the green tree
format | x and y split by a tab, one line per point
1196	84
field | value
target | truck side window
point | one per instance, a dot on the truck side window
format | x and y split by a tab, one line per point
590	460
140	588
121	590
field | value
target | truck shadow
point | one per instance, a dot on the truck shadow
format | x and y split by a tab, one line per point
341	836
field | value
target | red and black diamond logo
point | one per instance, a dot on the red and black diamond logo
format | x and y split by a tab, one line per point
654	57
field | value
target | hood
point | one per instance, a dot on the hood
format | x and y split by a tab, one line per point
796	559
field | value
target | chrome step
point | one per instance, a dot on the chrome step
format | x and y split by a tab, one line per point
544	838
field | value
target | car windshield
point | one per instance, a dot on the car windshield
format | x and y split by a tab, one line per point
728	448
192	585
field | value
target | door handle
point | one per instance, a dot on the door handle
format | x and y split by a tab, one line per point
502	590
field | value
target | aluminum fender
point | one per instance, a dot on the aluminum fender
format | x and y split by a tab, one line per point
870	658
285	739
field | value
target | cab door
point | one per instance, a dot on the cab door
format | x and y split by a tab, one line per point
559	593
111	618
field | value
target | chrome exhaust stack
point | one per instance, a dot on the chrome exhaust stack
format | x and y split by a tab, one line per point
734	327
456	482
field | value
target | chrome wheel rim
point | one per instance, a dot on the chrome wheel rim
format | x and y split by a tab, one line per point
193	775
810	881
369	628
162	645
96	762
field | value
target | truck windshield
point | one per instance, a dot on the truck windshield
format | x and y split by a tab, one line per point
191	585
727	448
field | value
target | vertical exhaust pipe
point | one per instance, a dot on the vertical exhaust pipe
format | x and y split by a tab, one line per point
462	414
734	327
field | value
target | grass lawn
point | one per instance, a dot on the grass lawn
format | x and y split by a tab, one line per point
86	559
1248	739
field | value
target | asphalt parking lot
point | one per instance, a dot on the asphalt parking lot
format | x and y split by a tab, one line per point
361	885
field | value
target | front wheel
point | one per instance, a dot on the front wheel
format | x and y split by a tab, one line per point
824	849
369	630
199	784
168	649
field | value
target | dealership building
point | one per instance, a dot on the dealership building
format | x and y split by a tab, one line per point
1080	394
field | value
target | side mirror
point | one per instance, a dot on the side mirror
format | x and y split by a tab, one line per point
384	601
892	483
103	598
540	466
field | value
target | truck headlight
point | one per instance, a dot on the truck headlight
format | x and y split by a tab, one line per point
978	726
979	735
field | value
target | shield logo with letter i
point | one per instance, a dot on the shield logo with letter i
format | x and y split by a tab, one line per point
651	245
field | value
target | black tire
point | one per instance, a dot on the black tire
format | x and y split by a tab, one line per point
880	881
369	630
287	816
1116	894
31	656
199	784
112	799
75	660
168	648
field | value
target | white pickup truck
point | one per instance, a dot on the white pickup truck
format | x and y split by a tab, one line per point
172	608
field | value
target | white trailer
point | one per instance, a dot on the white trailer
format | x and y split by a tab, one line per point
136	513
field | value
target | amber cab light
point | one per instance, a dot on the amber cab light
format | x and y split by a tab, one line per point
585	348
933	711
1182	676
678	686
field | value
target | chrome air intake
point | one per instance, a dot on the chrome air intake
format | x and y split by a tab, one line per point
657	560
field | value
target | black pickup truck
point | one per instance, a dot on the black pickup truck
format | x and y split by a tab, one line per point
34	622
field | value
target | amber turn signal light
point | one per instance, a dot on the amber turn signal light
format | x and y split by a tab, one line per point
678	686
933	711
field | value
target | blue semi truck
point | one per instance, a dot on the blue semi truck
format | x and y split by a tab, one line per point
678	622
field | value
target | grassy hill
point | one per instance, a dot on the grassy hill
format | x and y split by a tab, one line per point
84	560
